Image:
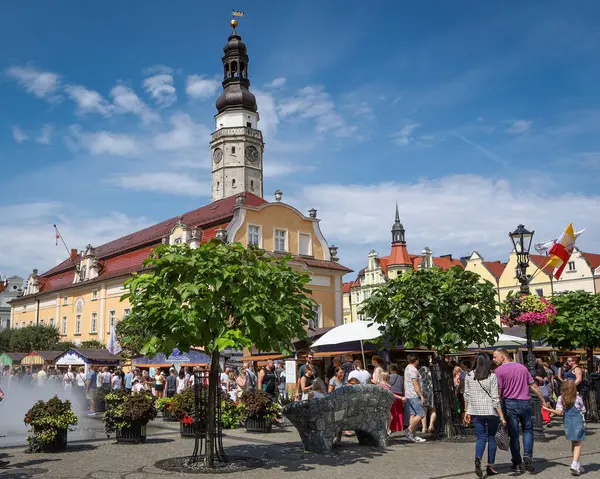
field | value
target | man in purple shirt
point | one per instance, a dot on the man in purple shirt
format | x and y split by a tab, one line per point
514	381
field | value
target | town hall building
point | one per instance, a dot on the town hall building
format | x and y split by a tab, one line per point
81	295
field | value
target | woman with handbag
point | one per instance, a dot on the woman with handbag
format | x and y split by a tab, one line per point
483	407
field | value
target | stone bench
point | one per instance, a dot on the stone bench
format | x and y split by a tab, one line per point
363	409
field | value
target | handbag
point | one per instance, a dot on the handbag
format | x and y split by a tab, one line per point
502	437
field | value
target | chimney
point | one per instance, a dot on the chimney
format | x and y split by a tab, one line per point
74	253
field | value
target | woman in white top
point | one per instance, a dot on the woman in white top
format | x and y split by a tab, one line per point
68	380
116	381
181	382
137	386
377	362
482	405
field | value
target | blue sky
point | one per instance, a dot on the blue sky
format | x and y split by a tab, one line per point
473	115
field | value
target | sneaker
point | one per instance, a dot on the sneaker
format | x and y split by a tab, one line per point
575	471
91	413
517	468
529	467
419	439
409	435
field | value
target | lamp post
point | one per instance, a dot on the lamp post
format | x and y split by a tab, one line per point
521	239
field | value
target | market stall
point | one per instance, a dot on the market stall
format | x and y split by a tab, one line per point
177	359
12	359
37	359
87	357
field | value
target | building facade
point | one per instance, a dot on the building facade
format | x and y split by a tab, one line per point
380	269
581	274
82	295
10	288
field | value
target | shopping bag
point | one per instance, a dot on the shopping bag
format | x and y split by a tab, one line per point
502	438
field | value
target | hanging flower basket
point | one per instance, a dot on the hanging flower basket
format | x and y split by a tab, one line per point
527	309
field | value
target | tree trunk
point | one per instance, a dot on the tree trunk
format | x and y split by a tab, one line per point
590	400
211	416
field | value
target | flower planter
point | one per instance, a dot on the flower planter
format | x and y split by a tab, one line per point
167	416
187	430
259	425
58	445
134	434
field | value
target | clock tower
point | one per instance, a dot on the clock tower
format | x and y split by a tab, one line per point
236	145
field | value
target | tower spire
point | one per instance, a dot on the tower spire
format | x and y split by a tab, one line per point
398	229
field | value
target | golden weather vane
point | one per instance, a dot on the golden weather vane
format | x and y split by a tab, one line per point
234	22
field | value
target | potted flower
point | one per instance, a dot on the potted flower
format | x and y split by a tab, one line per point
231	414
164	405
127	415
527	309
259	410
183	409
49	422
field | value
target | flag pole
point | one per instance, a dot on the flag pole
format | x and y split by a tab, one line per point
59	235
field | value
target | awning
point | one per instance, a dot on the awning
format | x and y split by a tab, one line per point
40	357
192	358
264	357
8	359
335	353
168	365
80	357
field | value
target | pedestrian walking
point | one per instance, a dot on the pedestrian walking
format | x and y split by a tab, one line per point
483	408
514	381
570	405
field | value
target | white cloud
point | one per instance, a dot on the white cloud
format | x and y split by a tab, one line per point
33	221
19	135
405	135
45	136
200	87
314	103
160	88
39	83
454	214
89	101
276	83
184	134
516	127
274	169
105	142
165	182
269	119
126	101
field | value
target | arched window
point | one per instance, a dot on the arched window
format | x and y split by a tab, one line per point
218	185
233	183
251	184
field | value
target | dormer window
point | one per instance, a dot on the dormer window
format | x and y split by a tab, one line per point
94	295
82	273
177	241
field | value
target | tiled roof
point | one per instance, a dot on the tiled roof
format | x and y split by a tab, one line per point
346	287
315	263
2	286
46	355
210	214
593	259
399	255
384	261
495	267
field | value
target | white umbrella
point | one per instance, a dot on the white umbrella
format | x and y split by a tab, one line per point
356	331
504	340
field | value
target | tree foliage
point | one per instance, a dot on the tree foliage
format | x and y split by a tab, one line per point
577	324
442	310
217	296
92	344
30	338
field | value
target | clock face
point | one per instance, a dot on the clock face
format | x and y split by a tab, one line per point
251	154
217	155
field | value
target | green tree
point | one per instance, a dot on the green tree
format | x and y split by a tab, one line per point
5	336
92	344
445	311
131	339
577	325
38	337
64	346
216	296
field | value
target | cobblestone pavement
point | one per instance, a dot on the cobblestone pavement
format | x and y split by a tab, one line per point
101	458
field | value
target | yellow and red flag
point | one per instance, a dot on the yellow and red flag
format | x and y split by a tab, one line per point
560	252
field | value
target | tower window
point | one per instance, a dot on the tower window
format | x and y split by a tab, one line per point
218	185
251	184
233	150
233	183
248	124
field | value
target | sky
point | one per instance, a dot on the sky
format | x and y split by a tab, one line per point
473	116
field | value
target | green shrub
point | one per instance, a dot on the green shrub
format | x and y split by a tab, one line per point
124	410
259	405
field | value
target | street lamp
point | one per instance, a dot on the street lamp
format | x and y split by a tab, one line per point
521	239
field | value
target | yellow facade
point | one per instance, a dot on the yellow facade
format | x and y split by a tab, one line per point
540	284
326	284
80	313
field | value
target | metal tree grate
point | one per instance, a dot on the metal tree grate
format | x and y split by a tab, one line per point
207	443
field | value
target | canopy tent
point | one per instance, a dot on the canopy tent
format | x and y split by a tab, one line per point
86	357
346	333
12	359
40	358
193	358
503	341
